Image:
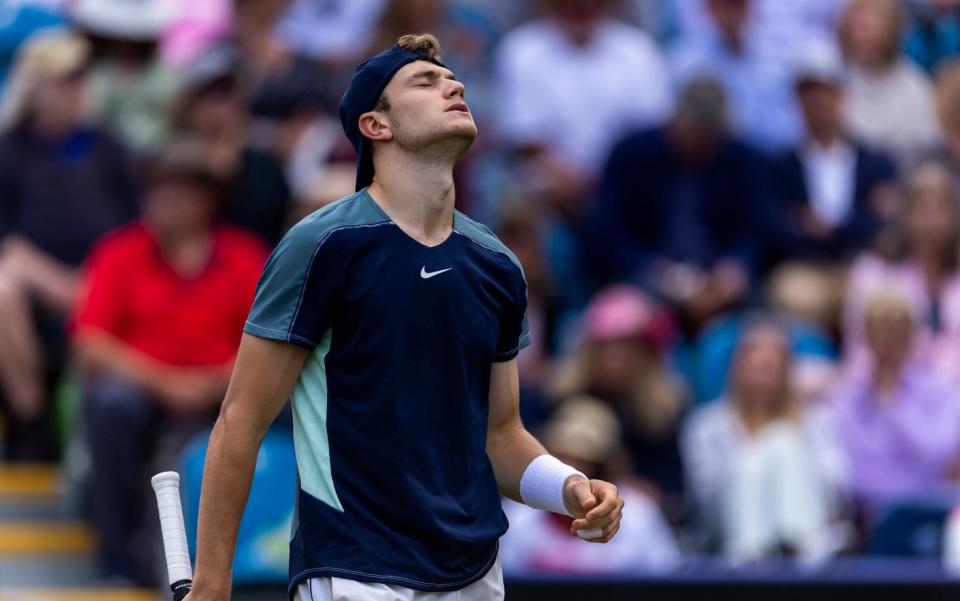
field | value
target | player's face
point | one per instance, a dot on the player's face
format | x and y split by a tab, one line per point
427	108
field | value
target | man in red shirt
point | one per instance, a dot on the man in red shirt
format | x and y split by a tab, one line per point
156	330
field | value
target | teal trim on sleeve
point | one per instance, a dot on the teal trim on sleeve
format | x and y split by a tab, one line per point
281	288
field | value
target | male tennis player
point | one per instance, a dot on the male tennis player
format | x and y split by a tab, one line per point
392	322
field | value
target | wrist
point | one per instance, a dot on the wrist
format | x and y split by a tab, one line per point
205	589
568	497
545	483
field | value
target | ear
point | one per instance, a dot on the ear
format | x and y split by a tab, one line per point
374	125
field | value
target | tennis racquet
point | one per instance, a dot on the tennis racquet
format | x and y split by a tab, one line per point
179	572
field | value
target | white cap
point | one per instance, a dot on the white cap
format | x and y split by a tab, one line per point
140	20
818	60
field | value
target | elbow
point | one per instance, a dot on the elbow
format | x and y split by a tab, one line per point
234	420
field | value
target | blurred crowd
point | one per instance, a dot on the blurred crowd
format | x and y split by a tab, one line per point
739	222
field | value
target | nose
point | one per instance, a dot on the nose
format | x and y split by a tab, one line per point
454	88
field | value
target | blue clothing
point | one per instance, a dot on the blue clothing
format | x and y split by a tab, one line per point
64	195
790	197
390	408
654	205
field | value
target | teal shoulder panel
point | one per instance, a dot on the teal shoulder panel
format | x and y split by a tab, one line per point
281	286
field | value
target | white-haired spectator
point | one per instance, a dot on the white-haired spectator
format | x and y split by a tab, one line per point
63	184
890	100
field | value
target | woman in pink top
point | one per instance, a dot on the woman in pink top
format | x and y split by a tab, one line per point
919	264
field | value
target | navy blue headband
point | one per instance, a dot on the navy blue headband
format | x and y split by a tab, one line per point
369	80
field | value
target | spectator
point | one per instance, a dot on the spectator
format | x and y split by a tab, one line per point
622	362
831	193
898	421
584	433
676	209
570	82
890	101
774	25
155	336
212	110
752	459
133	89
757	81
62	185
920	263
334	31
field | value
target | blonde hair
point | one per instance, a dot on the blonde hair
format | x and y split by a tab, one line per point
889	307
46	54
422	42
786	405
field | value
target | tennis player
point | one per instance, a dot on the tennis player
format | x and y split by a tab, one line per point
392	322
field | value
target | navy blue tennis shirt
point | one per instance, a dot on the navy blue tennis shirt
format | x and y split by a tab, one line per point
390	408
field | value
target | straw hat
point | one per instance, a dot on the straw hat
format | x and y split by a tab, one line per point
48	54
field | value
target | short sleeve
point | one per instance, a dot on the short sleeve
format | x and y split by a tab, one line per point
101	300
295	293
514	330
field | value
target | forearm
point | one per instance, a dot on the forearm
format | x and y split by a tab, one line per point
227	475
511	449
99	351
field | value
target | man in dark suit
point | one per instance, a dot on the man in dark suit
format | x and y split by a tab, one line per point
830	194
677	209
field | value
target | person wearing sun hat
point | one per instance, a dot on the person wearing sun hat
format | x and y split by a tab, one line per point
133	90
392	322
63	184
622	360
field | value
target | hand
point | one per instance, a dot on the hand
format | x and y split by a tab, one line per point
594	504
191	391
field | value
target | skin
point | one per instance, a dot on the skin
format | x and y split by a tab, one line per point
415	145
761	374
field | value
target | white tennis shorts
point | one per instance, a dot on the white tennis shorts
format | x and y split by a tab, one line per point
488	588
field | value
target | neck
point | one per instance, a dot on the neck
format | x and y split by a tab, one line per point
187	252
733	41
417	193
887	376
825	137
51	130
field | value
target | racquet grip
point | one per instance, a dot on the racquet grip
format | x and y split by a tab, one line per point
167	487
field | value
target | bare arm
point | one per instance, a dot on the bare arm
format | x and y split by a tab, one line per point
263	378
177	388
510	447
596	504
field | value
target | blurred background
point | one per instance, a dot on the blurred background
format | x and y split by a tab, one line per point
739	222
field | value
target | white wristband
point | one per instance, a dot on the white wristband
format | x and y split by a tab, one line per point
541	485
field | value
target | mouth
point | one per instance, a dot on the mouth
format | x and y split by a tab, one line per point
458	107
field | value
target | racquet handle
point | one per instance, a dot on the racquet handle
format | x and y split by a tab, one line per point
167	487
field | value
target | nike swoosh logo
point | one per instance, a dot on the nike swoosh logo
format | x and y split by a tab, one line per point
429	274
